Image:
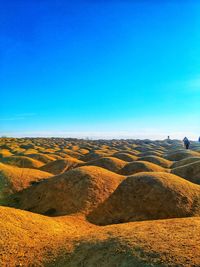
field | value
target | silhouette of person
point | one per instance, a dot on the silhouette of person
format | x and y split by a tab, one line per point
186	142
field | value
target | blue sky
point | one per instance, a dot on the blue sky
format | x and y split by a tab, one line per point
100	68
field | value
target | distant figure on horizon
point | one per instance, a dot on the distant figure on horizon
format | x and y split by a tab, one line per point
199	139
168	137
186	142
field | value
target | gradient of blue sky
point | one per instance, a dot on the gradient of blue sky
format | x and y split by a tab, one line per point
100	68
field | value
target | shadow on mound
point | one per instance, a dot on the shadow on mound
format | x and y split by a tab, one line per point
14	179
157	160
78	190
181	154
149	196
108	252
190	172
22	162
186	161
125	156
61	165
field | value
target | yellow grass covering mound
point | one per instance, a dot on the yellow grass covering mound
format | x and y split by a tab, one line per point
53	156
14	179
182	154
125	156
93	155
140	166
128	151
61	165
5	153
190	172
186	161
5	146
78	190
30	151
157	160
29	239
143	148
148	196
109	163
41	157
151	153
173	242
22	161
68	152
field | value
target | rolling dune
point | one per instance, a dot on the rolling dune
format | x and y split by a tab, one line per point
70	202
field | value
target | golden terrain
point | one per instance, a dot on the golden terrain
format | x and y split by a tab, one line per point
118	203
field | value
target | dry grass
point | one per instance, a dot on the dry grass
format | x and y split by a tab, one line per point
61	165
96	192
189	171
148	196
140	166
109	163
157	160
125	156
14	179
181	154
71	241
22	161
78	190
186	161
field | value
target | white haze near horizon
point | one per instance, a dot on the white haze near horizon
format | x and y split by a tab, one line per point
152	135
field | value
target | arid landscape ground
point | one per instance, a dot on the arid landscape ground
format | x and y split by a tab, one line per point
70	202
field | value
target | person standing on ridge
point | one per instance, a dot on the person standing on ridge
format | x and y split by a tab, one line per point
186	142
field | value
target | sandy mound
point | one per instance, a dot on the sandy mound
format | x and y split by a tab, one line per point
190	172
109	163
36	240
93	155
29	239
185	161
141	244
157	160
130	152
182	154
30	151
68	152
41	157
5	146
140	166
83	151
61	165
151	153
27	146
148	196
78	190
54	156
142	148
5	153
14	179
22	162
125	156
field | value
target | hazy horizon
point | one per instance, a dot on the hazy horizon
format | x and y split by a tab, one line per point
100	69
100	135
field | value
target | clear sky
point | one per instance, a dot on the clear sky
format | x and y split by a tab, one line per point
100	68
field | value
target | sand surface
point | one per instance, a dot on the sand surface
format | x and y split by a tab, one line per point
69	202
